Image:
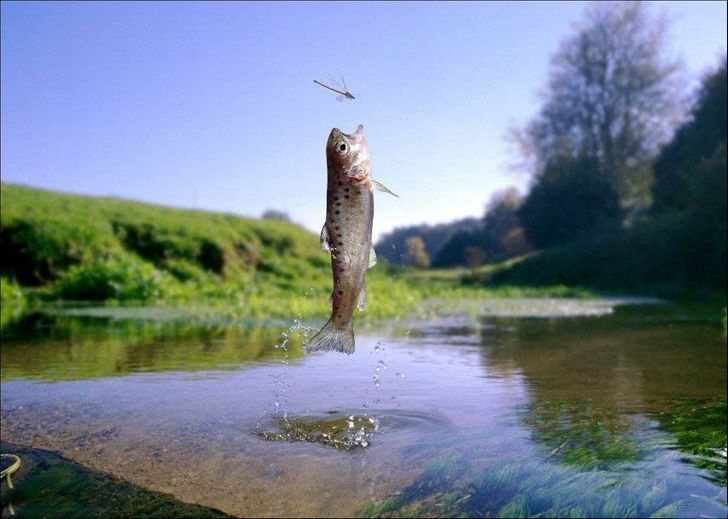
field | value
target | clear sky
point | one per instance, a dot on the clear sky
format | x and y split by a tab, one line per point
211	105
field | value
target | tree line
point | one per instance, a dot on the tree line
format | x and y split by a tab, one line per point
616	147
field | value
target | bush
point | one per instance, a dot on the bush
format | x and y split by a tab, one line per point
122	278
12	300
184	270
35	252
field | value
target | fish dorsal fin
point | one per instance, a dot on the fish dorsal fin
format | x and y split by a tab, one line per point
372	257
381	187
324	240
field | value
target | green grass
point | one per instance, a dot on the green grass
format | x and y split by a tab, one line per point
64	247
13	302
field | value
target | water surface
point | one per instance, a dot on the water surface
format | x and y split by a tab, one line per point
509	412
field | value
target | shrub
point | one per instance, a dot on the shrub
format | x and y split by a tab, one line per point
122	278
12	300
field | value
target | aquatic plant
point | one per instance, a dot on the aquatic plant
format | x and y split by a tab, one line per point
57	487
580	435
525	488
590	468
700	429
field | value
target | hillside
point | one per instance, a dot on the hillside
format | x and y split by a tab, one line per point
222	268
43	234
61	246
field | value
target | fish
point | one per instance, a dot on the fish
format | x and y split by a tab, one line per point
347	235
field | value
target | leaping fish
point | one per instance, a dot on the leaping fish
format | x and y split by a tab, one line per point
347	235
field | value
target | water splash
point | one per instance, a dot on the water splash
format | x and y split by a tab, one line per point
378	376
281	379
342	431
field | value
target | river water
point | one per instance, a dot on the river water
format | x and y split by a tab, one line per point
522	408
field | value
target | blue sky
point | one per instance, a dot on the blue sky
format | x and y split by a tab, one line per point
212	105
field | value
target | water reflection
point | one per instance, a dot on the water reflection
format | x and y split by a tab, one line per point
75	348
618	408
613	415
588	378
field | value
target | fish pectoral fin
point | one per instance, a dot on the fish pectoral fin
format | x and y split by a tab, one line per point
381	187
372	257
324	240
361	301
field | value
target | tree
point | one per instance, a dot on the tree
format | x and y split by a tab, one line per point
500	220
393	245
612	99
678	177
275	214
452	252
690	181
514	243
501	213
474	256
569	201
416	253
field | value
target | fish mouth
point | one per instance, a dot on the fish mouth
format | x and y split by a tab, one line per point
357	174
358	132
359	179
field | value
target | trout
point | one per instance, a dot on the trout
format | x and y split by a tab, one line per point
347	235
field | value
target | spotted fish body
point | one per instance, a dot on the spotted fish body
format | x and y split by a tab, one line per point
347	234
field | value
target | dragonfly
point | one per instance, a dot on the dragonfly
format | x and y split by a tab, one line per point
340	89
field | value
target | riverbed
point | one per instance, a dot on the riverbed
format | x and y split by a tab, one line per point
521	408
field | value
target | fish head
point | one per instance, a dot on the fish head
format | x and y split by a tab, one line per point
348	155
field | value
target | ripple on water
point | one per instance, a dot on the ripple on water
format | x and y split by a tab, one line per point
344	430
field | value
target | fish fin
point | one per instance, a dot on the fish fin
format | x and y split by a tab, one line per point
361	301
324	240
332	338
372	257
381	187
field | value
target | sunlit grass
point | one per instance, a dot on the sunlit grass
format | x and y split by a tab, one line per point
104	251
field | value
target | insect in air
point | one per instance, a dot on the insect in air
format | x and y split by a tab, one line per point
340	89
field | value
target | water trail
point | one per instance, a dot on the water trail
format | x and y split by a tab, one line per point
281	377
378	377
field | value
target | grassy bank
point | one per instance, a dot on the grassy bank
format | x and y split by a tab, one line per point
665	258
67	247
60	247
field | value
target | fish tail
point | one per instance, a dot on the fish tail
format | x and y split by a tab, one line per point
332	338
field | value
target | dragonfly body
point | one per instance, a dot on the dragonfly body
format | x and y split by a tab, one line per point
343	92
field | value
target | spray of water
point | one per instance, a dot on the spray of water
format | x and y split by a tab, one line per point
281	377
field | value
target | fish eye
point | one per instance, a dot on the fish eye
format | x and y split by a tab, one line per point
341	147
